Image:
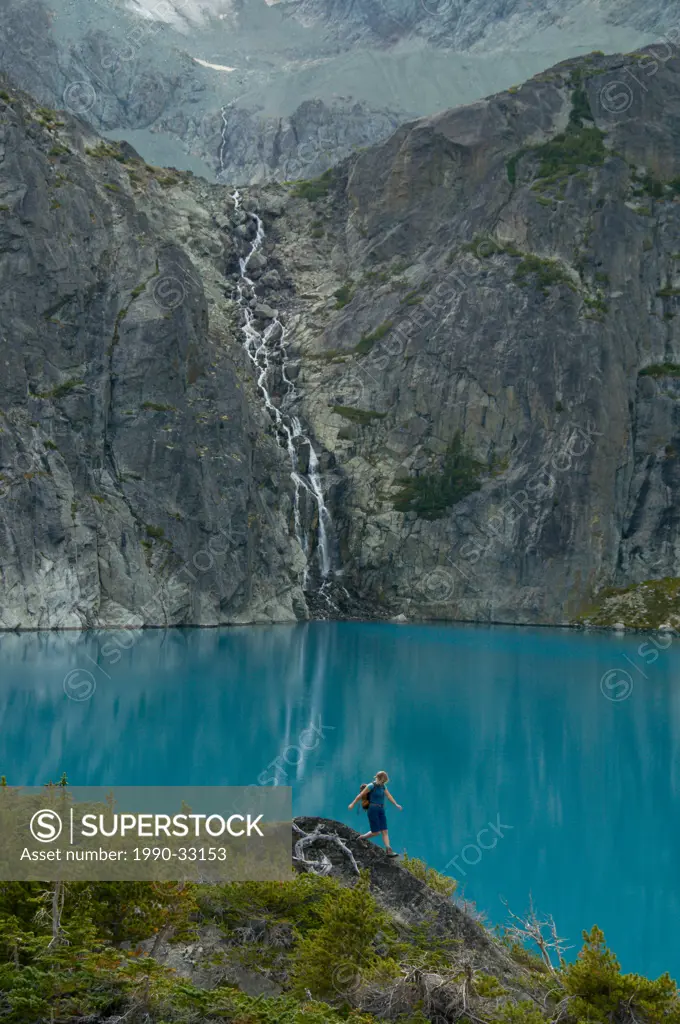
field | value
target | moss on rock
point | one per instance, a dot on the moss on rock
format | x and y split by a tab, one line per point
647	605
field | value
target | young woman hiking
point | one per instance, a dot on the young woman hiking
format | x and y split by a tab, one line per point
377	791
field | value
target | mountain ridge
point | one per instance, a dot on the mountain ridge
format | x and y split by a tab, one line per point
193	96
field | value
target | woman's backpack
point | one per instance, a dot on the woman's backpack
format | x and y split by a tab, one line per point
365	795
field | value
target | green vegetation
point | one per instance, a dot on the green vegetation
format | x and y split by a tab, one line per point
156	532
358	415
430	495
442	884
511	165
645	605
580	107
111	186
348	935
157	407
661	370
651	187
368	340
596	304
600	993
61	389
343	294
547	272
414	298
581	145
314	188
648	185
50	445
59	150
70	952
667	292
106	150
568	152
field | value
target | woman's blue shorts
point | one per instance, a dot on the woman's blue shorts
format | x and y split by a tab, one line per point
376	818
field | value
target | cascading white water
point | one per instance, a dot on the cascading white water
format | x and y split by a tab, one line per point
261	348
223	143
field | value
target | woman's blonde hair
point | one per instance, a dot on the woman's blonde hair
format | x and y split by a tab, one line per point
382	778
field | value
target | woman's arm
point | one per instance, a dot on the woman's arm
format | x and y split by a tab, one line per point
366	789
392	800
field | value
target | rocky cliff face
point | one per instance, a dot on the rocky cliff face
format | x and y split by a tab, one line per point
475	362
139	482
506	273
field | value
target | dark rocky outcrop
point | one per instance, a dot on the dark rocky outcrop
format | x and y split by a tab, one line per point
334	850
406	897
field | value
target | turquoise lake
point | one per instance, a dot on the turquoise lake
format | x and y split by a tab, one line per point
568	743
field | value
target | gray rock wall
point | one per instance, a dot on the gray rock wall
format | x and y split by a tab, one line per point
139	483
490	273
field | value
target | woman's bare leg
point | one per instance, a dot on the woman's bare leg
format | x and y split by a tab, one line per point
386	839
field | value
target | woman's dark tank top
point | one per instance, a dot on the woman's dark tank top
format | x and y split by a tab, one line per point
377	795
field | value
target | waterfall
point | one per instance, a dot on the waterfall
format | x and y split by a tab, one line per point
223	143
264	348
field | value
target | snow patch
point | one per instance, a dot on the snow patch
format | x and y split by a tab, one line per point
181	14
216	67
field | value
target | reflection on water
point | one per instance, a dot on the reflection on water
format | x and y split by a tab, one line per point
478	727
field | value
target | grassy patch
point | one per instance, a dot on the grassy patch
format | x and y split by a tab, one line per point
511	165
158	407
368	340
61	389
645	605
362	416
105	150
156	532
568	152
442	884
596	304
430	495
661	370
343	294
548	273
314	188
